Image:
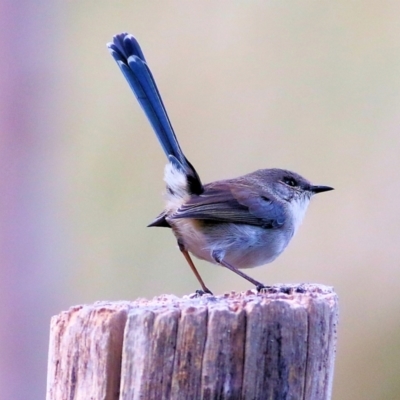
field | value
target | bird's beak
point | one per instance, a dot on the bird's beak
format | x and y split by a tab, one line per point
320	189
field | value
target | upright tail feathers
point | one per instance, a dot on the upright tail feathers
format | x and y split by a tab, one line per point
129	56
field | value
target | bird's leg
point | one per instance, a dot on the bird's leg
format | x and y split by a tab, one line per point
193	268
259	286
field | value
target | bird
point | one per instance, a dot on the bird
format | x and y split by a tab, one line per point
237	223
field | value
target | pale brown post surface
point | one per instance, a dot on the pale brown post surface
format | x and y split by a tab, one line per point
276	345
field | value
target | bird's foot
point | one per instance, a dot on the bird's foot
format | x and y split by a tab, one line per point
263	288
200	293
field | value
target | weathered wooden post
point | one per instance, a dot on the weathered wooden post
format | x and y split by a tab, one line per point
275	345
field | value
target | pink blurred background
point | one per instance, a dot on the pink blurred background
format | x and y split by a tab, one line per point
312	87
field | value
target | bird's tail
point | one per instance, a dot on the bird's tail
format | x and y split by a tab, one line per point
129	56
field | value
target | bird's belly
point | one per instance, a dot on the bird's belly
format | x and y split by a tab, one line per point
256	246
243	246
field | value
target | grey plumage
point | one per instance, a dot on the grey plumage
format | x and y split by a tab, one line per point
238	223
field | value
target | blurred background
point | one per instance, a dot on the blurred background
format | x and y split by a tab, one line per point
309	86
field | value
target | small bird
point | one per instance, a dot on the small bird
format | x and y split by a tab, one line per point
238	223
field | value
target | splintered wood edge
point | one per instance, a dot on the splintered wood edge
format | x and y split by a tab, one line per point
85	351
91	344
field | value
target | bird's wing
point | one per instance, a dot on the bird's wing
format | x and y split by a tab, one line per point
224	202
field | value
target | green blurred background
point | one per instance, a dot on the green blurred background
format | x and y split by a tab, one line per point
309	86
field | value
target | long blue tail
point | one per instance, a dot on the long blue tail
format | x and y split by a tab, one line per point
129	56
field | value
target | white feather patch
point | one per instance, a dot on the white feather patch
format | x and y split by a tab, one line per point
176	182
298	209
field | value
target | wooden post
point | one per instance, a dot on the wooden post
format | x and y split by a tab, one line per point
276	345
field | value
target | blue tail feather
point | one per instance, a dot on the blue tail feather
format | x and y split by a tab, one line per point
129	56
130	59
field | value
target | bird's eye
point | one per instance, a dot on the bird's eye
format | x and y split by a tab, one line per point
290	181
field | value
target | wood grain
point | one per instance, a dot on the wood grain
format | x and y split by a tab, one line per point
279	344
